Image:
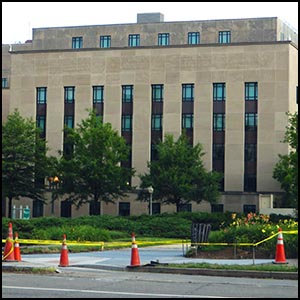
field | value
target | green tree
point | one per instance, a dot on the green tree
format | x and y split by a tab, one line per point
93	172
178	175
286	169
24	160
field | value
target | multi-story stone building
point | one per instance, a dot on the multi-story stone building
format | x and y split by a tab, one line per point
228	83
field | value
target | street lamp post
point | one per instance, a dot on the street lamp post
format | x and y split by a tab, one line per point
150	190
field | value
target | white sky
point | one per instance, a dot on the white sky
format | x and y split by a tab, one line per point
18	18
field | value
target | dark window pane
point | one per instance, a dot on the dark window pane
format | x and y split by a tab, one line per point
124	209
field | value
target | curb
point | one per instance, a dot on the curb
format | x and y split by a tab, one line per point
160	269
217	272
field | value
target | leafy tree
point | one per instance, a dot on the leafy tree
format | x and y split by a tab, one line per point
286	169
24	160
93	171
178	175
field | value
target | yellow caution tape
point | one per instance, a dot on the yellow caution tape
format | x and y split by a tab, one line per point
53	242
245	244
142	243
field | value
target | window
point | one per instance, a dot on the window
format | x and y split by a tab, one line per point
188	92
157	92
124	209
218	122
126	122
219	92
251	121
248	208
69	121
251	91
224	37
217	208
4	83
94	208
155	208
98	94
163	39
250	152
218	151
105	41
154	152
156	122
41	95
37	208
65	209
127	93
193	38
134	40
185	207
187	121
41	122
250	183
77	42
69	94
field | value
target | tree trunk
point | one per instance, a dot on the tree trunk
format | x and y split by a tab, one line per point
9	207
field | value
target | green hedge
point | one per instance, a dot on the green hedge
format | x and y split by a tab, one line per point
169	225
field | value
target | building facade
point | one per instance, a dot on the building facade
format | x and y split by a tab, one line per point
227	83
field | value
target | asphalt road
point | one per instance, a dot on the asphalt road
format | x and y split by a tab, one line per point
79	282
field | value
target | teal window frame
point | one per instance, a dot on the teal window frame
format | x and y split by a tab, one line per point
126	122
69	94
157	92
163	39
105	41
219	91
187	121
194	38
224	37
187	92
251	91
41	95
77	42
134	40
218	122
127	93
156	121
98	94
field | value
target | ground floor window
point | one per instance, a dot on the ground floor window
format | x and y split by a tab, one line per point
124	209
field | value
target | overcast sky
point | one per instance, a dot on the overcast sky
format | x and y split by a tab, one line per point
18	18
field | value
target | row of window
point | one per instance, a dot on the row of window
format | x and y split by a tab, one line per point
219	93
124	208
157	121
250	152
157	96
163	39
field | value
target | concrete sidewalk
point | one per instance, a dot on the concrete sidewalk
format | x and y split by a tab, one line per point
120	259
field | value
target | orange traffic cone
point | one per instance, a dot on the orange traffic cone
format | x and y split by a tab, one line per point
64	259
17	252
135	258
9	245
280	254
